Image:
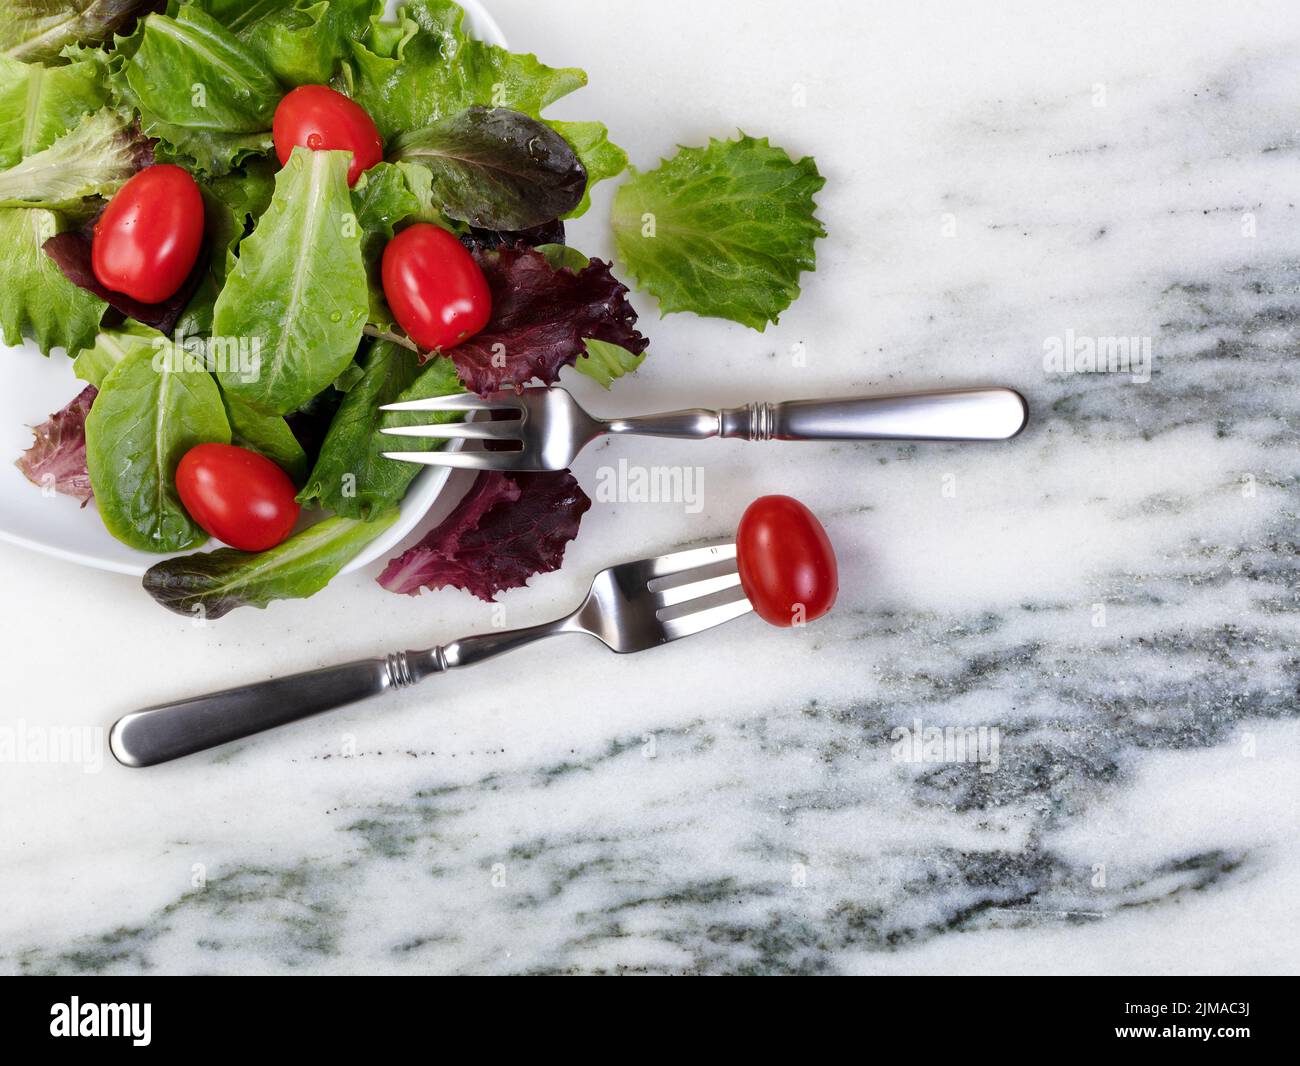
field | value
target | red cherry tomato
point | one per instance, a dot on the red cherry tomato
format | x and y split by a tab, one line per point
434	288
317	117
786	562
149	236
241	498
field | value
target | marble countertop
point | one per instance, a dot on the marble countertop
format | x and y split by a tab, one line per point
1112	597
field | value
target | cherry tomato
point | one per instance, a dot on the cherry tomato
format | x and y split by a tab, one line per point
241	498
434	288
786	562
317	117
149	236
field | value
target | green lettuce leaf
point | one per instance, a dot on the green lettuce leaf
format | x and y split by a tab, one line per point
148	414
39	104
302	42
94	159
722	231
112	346
269	435
298	292
215	583
351	477
382	199
427	67
40	29
230	202
36	300
201	90
604	362
496	169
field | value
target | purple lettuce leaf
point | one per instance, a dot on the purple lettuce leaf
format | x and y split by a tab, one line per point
71	251
506	529
59	451
540	318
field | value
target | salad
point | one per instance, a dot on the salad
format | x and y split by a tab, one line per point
251	225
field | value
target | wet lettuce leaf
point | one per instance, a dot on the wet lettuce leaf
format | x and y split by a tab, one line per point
215	583
427	67
92	160
723	230
302	42
57	457
506	529
40	29
351	477
36	300
298	291
201	90
39	104
111	346
496	169
541	319
151	409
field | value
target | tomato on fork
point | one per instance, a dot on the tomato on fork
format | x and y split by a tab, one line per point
786	562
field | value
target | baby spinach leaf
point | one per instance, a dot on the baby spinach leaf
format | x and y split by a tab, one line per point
723	230
215	583
496	169
269	435
36	300
111	346
39	29
94	159
298	293
200	89
351	476
39	104
148	414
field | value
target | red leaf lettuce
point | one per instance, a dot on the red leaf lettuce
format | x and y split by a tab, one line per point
59	452
506	529
540	318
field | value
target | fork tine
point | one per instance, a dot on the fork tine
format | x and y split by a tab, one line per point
469	430
735	606
461	460
667	565
459	401
696	589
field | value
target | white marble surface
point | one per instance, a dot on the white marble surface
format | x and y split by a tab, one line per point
510	820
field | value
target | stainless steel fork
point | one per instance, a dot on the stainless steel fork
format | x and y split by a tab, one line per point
630	608
551	428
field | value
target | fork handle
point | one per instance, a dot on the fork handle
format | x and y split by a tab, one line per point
172	730
953	414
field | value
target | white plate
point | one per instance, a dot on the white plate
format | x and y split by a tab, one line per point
35	386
